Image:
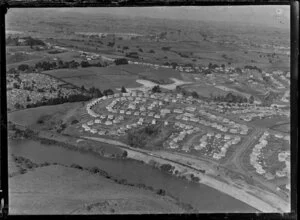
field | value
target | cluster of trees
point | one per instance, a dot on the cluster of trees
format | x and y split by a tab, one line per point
24	67
186	93
57	100
173	64
141	137
230	97
134	55
47	65
121	61
183	55
111	44
166	48
96	93
27	133
85	63
123	90
27	41
156	89
167	168
253	68
212	66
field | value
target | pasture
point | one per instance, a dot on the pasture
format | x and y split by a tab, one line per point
204	90
29	117
98	77
114	77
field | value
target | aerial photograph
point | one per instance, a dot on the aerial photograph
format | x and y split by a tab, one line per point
148	110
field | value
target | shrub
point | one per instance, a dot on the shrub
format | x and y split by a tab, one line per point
156	89
74	122
161	192
76	166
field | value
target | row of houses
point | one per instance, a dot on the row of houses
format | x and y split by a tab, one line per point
218	151
256	154
225	124
284	156
175	138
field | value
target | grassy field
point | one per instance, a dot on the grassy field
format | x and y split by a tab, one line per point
98	77
62	190
113	77
270	121
20	57
286	128
203	89
30	116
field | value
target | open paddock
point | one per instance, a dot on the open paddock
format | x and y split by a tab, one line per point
269	122
285	128
29	117
98	77
204	89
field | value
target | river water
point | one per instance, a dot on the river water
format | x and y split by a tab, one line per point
201	197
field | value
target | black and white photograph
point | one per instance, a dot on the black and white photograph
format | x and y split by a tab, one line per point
148	110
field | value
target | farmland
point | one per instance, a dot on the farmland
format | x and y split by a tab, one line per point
204	102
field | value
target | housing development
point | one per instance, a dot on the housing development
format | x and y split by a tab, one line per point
152	113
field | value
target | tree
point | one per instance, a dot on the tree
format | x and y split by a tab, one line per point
251	99
84	64
156	89
60	64
166	48
123	90
195	95
121	61
108	92
124	155
12	71
23	67
111	44
18	106
174	65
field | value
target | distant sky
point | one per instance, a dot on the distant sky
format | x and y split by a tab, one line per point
276	16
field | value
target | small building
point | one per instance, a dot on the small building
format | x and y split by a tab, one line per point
108	123
179	111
